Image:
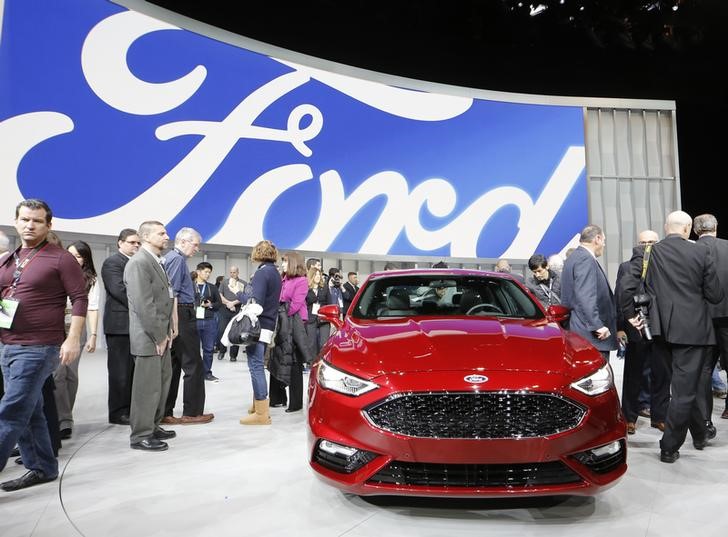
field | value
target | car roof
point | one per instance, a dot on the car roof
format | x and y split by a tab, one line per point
438	272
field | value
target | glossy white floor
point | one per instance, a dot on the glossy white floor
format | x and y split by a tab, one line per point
223	479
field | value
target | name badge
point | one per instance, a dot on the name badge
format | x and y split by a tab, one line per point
8	307
171	292
315	307
199	312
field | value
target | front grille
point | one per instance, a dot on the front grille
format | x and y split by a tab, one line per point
475	475
476	415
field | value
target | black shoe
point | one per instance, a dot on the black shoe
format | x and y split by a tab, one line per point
163	434
277	405
288	410
28	479
700	444
221	356
15	452
710	431
65	433
150	444
233	359
121	420
19	461
669	456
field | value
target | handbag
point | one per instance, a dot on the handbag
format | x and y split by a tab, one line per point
242	330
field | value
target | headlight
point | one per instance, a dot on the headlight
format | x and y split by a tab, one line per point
333	379
596	383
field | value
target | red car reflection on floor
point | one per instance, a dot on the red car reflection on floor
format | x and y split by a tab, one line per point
458	383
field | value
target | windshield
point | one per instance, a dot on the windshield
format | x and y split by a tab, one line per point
437	295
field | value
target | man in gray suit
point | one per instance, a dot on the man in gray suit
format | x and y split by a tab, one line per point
586	291
151	330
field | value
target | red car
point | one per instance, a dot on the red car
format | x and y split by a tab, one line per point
458	383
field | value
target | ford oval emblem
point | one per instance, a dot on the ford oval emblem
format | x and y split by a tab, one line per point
476	379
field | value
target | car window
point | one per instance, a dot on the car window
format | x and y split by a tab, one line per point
433	295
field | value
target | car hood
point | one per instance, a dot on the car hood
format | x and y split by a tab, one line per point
373	348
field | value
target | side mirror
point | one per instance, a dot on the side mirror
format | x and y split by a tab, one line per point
331	314
557	313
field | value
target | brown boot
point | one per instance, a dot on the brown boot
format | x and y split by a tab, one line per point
261	416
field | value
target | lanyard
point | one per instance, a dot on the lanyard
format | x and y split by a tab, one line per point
201	290
20	265
548	291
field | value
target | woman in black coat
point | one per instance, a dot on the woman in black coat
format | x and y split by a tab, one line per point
318	295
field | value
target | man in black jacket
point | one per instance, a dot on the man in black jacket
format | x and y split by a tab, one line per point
680	280
120	362
349	289
637	357
705	227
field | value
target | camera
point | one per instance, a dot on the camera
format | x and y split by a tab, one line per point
642	307
336	280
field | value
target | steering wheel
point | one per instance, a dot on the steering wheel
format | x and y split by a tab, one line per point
490	308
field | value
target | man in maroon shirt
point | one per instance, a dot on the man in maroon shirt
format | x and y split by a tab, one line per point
34	283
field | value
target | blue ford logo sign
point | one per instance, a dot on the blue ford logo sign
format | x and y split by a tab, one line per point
435	173
476	379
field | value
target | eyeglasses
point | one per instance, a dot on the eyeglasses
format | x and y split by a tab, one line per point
134	242
645	243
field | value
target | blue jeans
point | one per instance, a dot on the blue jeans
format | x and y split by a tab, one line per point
718	384
256	353
207	328
25	369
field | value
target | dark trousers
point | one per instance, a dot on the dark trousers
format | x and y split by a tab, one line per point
705	388
685	364
277	389
120	364
186	357
637	358
223	318
207	329
51	414
317	334
277	392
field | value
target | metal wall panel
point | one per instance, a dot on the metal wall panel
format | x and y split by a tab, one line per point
631	175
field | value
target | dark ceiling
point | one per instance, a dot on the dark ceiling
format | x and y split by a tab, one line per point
672	49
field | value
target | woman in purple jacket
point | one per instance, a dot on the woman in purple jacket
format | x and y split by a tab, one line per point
293	292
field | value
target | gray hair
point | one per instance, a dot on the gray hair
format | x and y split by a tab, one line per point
589	233
187	234
705	223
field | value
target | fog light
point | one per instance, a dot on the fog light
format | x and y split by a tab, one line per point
337	449
604	458
609	449
341	458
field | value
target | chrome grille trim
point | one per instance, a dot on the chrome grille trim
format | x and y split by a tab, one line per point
475	415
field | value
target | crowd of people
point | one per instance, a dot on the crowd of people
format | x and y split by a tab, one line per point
163	326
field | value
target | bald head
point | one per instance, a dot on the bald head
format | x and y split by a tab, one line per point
679	222
647	237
